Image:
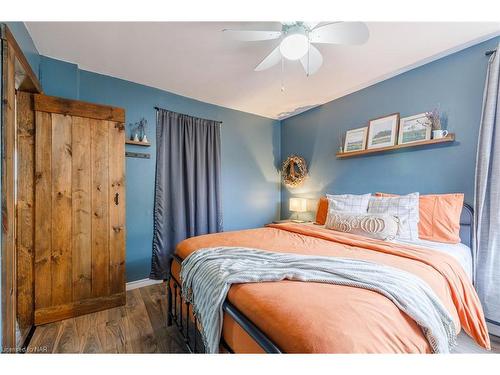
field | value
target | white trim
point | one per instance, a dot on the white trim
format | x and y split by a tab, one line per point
141	283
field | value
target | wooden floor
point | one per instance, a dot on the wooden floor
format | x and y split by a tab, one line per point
140	327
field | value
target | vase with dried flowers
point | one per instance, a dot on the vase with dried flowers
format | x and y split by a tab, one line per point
141	128
133	132
434	117
341	142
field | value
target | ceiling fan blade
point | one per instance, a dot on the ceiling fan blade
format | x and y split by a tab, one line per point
252	35
270	60
312	60
340	33
311	25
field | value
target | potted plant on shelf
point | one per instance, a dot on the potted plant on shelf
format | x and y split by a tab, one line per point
133	132
141	127
434	117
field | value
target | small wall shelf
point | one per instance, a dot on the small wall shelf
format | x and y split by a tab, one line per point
343	155
145	144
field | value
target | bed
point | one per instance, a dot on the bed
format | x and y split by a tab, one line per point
286	316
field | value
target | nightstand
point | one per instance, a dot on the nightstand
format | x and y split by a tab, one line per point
290	221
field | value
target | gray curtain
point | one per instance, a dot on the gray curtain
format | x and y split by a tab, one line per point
187	186
487	198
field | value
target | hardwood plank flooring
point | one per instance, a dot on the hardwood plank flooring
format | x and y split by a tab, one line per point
137	327
140	327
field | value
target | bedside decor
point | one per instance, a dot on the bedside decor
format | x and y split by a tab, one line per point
355	139
415	128
294	170
382	131
298	205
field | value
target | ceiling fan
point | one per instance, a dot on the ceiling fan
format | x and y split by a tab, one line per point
297	39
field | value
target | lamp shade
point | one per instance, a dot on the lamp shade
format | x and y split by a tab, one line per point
298	204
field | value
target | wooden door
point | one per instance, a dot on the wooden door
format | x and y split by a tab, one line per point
79	208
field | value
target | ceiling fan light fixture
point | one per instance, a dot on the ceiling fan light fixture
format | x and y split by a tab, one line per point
294	46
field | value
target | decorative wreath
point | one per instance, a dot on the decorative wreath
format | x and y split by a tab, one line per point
294	170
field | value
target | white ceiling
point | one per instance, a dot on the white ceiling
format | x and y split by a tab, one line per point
197	60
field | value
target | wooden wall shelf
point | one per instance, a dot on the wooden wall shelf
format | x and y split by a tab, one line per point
145	144
343	155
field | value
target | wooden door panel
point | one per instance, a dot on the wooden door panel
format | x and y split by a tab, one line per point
116	207
82	209
79	170
43	210
25	213
61	209
100	205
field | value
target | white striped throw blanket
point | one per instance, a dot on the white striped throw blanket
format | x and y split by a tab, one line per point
207	275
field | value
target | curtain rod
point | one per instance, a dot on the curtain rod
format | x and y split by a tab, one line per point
490	52
163	109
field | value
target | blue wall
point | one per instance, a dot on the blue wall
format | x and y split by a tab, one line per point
455	82
250	153
23	39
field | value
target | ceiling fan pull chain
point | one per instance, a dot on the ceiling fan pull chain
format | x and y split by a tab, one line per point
308	56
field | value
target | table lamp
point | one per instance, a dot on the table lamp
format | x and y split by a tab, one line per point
298	205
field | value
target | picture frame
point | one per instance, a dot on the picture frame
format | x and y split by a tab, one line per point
355	139
383	131
415	128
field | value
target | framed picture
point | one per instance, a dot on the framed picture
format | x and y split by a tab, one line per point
414	129
382	131
355	139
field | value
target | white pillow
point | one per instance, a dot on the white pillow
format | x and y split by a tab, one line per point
405	207
378	226
349	202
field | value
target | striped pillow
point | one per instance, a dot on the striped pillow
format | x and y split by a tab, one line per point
405	207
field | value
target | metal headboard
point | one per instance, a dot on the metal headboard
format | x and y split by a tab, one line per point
466	225
467	231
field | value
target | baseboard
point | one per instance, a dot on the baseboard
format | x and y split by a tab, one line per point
141	283
69	310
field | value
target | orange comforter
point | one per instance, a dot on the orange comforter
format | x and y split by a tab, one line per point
301	317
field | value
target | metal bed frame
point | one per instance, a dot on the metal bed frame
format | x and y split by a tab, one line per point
189	329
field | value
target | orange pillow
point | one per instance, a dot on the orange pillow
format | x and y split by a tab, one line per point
322	211
439	217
